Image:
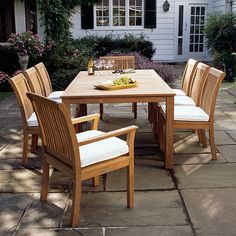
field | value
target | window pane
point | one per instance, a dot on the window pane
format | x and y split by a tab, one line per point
122	21
202	20
191	29
132	21
196	38
115	21
122	11
191	48
203	11
192	19
115	2
132	2
197	20
201	48
131	12
138	20
191	38
105	2
138	2
197	11
192	10
122	2
115	12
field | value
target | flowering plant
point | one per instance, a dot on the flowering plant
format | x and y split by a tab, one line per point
27	43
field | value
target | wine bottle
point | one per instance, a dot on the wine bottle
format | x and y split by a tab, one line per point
90	67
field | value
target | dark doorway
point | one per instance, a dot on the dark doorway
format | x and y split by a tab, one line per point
7	19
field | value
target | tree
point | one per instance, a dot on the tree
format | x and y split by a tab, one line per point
220	33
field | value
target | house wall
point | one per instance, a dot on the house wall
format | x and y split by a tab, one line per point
220	6
162	36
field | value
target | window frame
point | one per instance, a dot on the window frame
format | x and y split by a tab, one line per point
127	16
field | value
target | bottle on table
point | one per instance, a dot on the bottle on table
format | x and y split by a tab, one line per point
90	66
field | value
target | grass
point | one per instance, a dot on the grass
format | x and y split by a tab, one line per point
4	95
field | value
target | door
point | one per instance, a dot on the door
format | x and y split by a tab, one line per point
191	19
7	19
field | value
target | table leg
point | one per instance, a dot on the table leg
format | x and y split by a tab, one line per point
169	133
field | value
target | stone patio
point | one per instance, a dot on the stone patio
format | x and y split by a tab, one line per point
196	198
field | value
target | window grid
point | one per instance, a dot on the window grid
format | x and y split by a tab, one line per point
119	13
197	24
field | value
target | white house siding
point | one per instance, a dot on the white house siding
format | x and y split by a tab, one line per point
162	36
219	6
19	16
234	7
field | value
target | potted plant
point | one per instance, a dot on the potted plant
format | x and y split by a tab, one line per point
26	45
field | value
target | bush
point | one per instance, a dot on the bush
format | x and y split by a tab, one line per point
100	46
221	40
9	63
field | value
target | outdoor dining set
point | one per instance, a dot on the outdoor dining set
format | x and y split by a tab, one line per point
56	117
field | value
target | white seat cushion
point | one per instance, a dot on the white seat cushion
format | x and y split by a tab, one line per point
100	151
32	121
188	113
182	100
55	95
179	92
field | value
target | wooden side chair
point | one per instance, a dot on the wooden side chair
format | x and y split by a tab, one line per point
34	81
84	155
187	78
196	88
46	82
194	98
30	124
40	73
121	63
198	117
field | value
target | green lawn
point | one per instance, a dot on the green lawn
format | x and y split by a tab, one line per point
4	95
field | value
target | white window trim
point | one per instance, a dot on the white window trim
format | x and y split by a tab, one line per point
126	26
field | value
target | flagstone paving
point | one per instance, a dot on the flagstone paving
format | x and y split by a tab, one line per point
196	198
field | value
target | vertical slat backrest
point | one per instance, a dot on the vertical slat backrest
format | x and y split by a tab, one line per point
210	91
44	77
121	62
33	80
58	133
198	83
188	75
21	87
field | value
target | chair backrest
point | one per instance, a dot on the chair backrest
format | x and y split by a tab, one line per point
188	75
21	87
210	91
57	131
198	82
34	81
44	77
121	62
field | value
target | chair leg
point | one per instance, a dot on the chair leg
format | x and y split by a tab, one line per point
202	137
25	148
130	184
101	109
212	142
76	198
44	190
134	109
95	181
34	143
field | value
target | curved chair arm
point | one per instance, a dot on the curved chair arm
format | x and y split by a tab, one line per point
93	117
130	130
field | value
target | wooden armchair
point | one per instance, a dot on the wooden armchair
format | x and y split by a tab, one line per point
198	117
30	124
121	62
84	155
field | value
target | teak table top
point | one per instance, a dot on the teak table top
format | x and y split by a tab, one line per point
149	83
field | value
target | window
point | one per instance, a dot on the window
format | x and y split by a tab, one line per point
119	13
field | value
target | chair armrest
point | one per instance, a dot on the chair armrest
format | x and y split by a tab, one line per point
127	130
93	117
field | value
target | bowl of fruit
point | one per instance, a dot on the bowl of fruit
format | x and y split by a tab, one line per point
120	83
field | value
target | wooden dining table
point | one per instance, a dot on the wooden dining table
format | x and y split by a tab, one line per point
151	88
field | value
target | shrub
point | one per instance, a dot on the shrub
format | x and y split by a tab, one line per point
100	46
221	40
